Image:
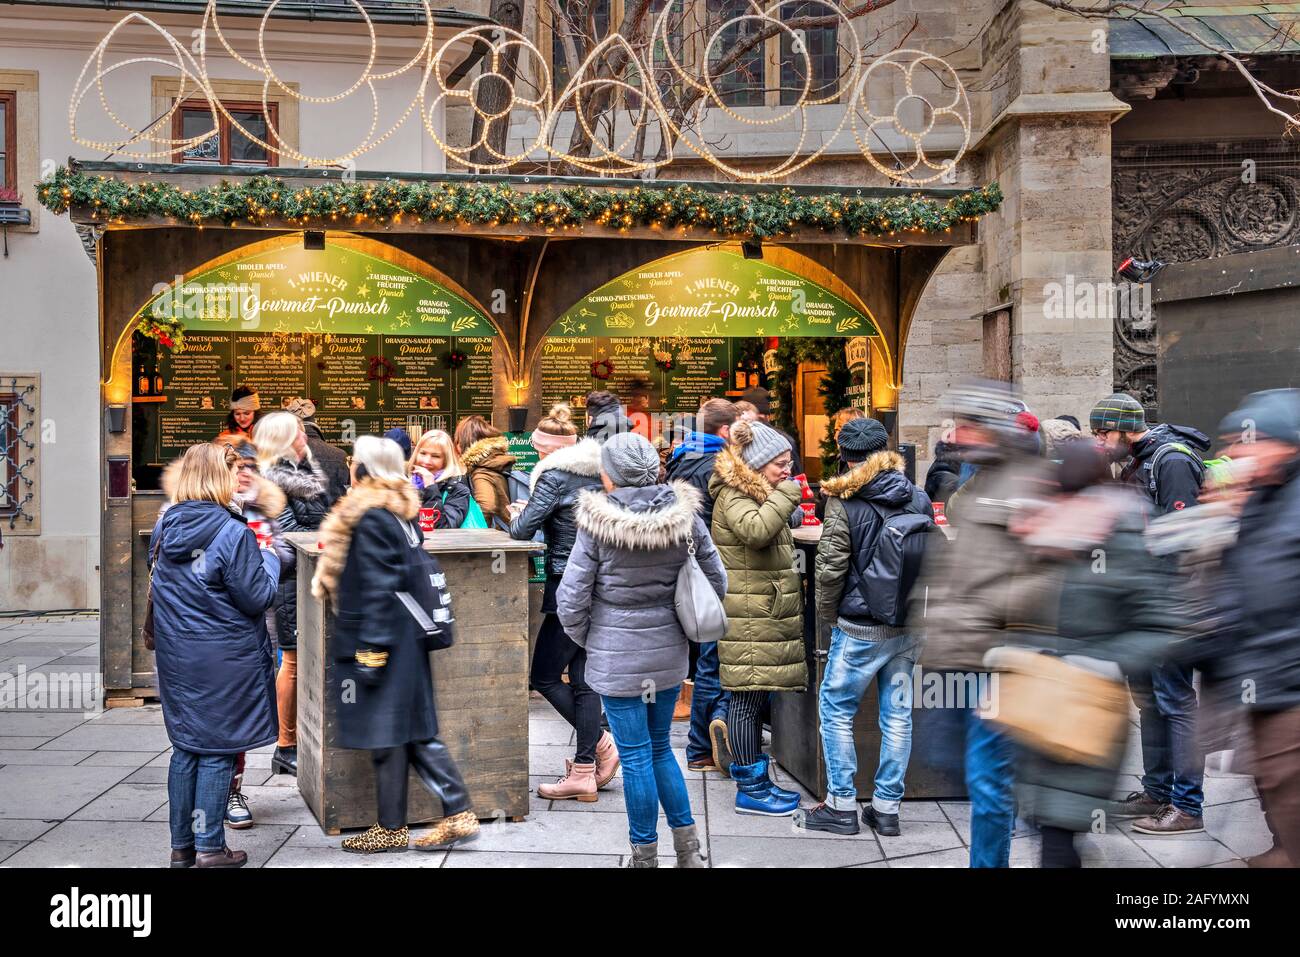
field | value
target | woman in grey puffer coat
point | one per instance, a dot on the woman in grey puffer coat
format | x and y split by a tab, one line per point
617	601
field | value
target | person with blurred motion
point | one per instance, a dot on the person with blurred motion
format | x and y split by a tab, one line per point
1164	462
1091	593
210	586
333	462
566	469
1057	434
965	585
436	471
285	460
707	748
763	650
383	676
617	600
870	490
485	454
262	504
1260	598
943	477
755	405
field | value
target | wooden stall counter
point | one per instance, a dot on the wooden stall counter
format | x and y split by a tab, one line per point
480	685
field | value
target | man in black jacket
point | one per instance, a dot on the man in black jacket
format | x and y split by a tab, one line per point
1164	462
332	461
1260	598
692	462
864	648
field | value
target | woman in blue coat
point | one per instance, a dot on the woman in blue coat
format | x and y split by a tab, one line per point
211	587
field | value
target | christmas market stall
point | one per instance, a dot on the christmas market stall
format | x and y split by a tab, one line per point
411	301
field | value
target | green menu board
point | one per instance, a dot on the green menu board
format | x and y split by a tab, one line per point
712	291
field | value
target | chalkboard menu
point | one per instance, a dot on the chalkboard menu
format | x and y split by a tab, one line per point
701	369
361	384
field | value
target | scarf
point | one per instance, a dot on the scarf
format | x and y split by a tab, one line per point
698	443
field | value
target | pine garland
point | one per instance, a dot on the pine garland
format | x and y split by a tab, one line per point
833	388
260	199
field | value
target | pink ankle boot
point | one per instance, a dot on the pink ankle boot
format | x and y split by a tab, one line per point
606	759
579	782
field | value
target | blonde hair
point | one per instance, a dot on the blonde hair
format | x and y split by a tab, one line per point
207	474
559	421
847	414
451	464
381	458
743	408
274	436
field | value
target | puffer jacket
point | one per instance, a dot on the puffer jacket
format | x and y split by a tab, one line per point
617	596
850	527
450	496
1127	613
488	464
556	483
763	649
1171	479
306	489
211	588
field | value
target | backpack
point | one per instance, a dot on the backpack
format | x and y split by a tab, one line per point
1196	444
890	567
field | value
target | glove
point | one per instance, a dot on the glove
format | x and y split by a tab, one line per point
371	666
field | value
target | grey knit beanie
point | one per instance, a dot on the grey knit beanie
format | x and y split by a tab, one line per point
759	443
629	460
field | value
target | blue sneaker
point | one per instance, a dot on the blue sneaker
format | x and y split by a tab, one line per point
238	815
754	794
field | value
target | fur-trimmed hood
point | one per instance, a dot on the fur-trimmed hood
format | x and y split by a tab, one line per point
863	474
732	470
398	496
492	453
581	458
656	516
270	501
299	480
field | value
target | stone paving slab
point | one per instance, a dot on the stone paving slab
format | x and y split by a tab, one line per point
82	790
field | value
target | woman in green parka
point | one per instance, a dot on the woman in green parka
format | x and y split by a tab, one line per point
763	649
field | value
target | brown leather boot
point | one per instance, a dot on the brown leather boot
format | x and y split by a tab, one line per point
579	782
222	858
682	709
182	858
606	760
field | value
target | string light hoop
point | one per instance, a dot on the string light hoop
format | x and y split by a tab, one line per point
956	106
612	73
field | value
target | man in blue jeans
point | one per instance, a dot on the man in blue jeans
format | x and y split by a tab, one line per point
961	601
864	648
692	461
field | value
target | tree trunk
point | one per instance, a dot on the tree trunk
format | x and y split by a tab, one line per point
493	97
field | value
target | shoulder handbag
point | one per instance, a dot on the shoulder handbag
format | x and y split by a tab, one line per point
474	515
699	610
146	629
426	598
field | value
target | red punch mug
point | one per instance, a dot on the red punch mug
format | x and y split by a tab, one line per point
429	518
263	532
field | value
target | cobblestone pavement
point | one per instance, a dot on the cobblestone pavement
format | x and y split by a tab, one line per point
83	790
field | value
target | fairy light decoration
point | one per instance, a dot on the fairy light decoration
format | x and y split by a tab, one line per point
541	115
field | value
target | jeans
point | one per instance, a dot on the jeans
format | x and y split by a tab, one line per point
575	702
850	666
197	788
1171	755
436	770
708	701
651	776
990	773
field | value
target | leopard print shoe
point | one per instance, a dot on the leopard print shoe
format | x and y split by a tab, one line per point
458	827
377	840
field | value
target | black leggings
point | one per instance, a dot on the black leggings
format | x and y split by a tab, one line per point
1058	847
745	725
436	770
575	701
